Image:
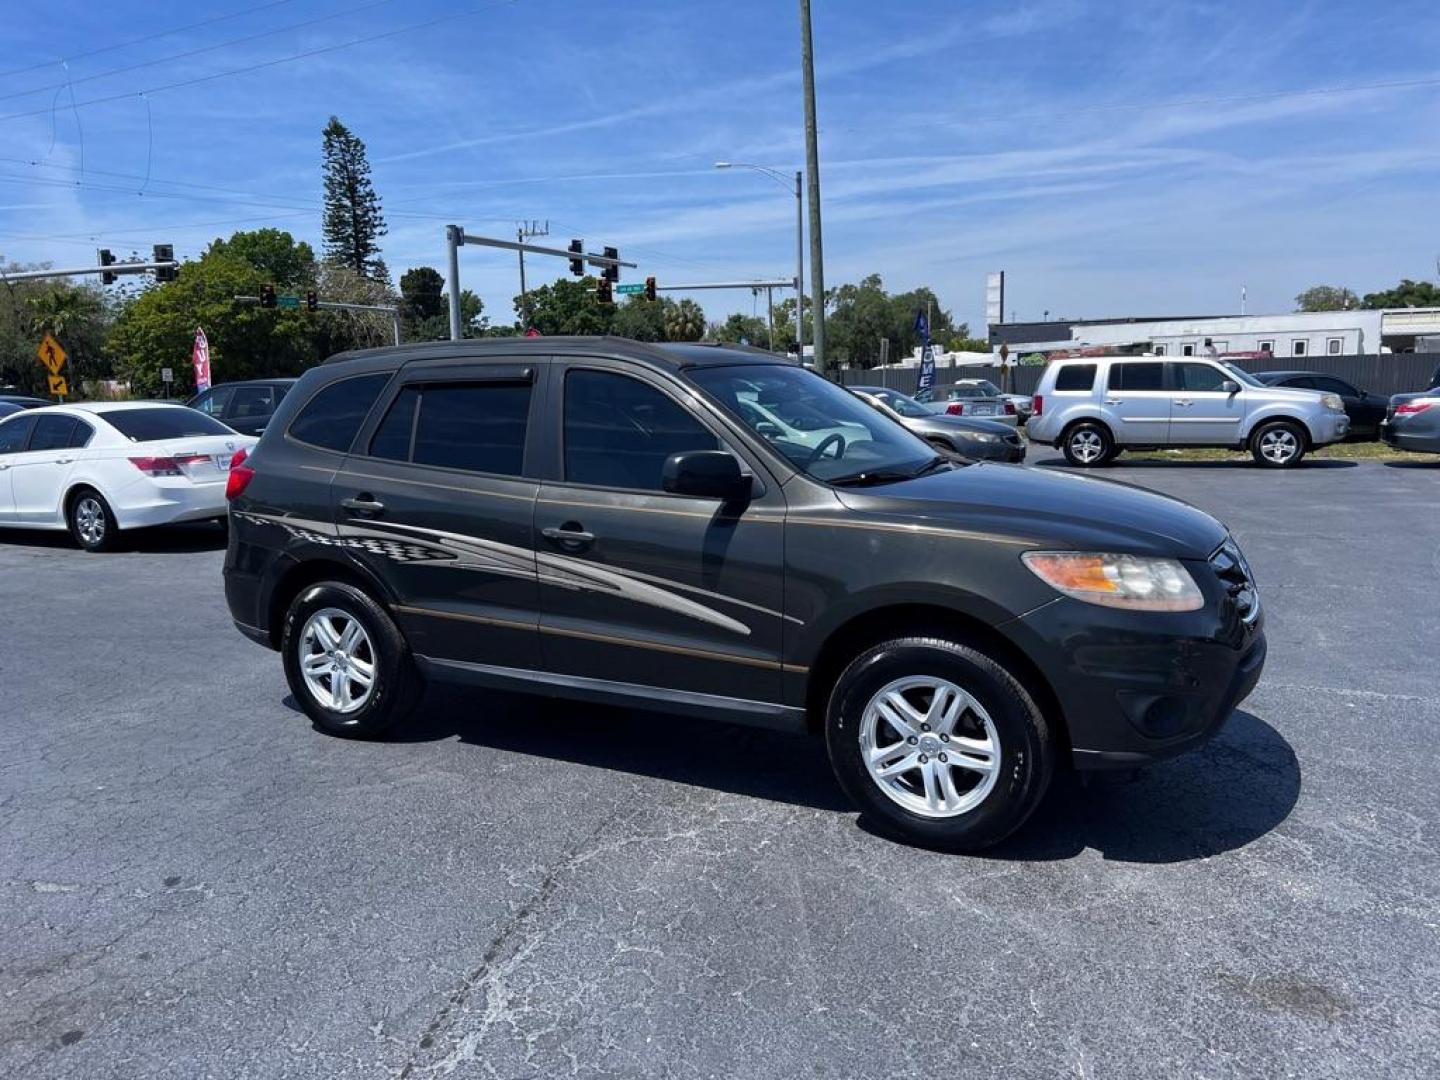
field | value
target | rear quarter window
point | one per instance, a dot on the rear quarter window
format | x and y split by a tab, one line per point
1075	377
332	418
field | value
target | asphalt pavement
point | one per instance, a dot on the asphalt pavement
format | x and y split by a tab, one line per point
196	883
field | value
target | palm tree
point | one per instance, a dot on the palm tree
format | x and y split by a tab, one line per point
684	321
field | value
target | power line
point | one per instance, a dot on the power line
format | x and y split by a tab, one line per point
261	65
170	58
252	10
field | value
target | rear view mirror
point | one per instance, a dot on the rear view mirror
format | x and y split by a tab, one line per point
1230	386
705	474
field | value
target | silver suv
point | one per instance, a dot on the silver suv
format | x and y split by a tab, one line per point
1096	407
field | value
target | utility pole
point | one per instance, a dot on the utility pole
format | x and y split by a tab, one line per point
454	237
812	168
524	232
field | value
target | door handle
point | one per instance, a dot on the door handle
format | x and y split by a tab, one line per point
1114	401
1183	402
569	535
64	460
363	504
3	467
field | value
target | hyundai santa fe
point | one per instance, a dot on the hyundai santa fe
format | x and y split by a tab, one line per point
612	522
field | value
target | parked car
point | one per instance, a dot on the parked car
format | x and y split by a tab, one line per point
970	398
244	406
103	467
24	401
10	409
1414	422
601	521
1365	410
1022	402
979	440
794	423
1096	407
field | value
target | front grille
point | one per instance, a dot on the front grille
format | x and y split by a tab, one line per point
1234	573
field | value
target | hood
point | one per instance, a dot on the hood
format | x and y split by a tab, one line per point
1041	508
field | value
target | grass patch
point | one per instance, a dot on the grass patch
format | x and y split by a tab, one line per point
1350	451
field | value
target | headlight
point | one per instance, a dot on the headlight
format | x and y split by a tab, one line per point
1332	401
1136	582
982	436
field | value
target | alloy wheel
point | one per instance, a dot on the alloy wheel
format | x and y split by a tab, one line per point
337	660
1279	445
930	746
1087	446
90	520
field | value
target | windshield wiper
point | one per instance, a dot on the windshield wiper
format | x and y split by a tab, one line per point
887	476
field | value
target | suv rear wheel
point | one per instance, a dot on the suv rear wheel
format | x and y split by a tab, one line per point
1279	444
938	743
1088	445
347	662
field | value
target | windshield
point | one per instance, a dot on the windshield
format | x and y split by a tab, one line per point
1241	374
989	387
163	422
820	428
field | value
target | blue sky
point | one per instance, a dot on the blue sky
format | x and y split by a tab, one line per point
1115	157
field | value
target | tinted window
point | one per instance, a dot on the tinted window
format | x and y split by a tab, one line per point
479	427
80	434
1198	377
1075	377
903	405
332	418
392	437
163	422
251	402
1334	386
1146	376
52	432
619	431
1300	382
213	402
14	432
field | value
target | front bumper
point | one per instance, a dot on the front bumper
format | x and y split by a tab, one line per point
1331	428
1137	687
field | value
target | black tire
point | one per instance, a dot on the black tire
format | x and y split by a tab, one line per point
396	687
1085	439
1026	749
1269	441
92	523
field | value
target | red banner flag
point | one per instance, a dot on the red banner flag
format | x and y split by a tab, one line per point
201	359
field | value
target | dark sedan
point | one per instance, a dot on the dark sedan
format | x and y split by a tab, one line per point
244	406
980	440
1365	410
1414	422
23	401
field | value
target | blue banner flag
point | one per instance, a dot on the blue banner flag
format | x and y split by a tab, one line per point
922	326
927	358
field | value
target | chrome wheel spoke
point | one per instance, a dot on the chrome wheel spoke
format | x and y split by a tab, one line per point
900	714
946	707
974	754
362	679
337	660
932	786
902	765
350	637
317	663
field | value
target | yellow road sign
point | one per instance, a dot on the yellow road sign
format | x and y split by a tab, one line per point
51	354
58	386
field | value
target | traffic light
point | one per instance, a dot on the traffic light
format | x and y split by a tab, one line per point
602	291
267	295
611	272
577	262
312	300
106	259
164	253
649	288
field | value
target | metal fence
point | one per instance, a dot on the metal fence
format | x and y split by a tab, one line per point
1388	373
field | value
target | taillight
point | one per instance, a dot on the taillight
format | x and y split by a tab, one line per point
1009	408
955	409
166	466
1037	405
240	475
1410	408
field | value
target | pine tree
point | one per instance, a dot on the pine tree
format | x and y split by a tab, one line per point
353	221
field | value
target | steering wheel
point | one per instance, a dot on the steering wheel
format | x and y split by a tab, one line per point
833	439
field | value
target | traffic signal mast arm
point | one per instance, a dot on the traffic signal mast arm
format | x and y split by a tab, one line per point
112	268
602	260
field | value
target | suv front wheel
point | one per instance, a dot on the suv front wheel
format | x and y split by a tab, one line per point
1278	444
938	743
347	662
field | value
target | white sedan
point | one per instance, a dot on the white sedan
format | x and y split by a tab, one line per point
102	467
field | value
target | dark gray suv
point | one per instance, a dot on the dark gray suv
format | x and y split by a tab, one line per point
596	519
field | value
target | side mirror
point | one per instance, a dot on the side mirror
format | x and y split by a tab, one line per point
705	474
1230	386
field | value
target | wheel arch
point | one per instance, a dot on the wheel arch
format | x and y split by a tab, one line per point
302	573
865	629
1098	421
1280	417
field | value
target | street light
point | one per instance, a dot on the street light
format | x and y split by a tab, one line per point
782	179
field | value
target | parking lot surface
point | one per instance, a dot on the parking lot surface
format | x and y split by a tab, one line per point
197	883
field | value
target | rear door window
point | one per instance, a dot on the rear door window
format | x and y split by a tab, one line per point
13	434
1198	377
1138	376
478	427
1075	377
52	432
332	418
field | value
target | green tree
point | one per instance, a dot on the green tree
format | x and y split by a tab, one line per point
862	316
284	262
246	341
785	323
1326	298
684	321
353	222
77	315
567	308
423	305
340	331
742	328
1407	294
640	319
